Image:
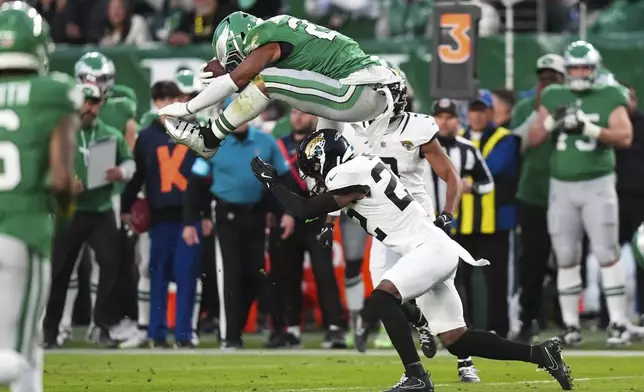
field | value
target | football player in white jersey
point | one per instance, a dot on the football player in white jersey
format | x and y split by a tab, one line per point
366	190
406	149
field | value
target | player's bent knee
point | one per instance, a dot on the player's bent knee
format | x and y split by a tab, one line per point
606	257
453	341
388	287
567	256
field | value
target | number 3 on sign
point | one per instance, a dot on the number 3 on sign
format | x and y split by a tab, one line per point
458	27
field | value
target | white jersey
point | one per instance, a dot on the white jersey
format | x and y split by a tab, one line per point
388	212
399	149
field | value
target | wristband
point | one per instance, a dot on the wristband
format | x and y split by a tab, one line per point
591	130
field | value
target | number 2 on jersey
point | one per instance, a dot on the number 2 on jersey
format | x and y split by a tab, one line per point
311	29
10	175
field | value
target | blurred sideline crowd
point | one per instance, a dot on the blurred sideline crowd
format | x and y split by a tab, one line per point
117	281
182	22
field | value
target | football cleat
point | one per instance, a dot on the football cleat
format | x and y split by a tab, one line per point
137	340
334	338
192	136
361	334
427	341
419	384
557	368
618	336
467	372
571	336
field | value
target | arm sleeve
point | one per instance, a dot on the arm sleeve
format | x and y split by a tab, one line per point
482	178
133	186
504	156
305	208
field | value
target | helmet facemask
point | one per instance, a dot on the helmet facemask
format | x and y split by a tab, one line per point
582	62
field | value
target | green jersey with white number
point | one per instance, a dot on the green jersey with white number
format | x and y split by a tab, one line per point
117	111
30	109
314	48
578	157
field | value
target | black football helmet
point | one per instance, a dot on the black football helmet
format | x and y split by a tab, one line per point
399	95
320	152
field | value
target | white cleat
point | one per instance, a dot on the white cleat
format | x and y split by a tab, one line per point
618	336
139	339
195	339
188	134
124	330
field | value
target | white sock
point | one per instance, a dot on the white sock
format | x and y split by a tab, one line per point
197	308
30	380
354	293
294	330
93	281
12	365
614	286
569	286
70	300
143	292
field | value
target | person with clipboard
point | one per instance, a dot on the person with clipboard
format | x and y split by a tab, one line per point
102	159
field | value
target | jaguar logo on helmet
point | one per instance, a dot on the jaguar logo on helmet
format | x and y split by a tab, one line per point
315	146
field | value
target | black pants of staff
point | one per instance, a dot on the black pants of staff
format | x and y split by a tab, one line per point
210	293
241	234
100	232
287	257
533	261
127	282
495	248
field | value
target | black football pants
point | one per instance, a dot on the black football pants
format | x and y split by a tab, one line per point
99	231
287	259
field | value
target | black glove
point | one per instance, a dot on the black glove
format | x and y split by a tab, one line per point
570	121
444	222
326	236
264	172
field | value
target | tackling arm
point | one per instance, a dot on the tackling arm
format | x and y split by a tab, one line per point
225	85
317	205
443	166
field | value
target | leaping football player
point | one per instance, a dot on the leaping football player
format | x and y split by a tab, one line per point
366	190
309	67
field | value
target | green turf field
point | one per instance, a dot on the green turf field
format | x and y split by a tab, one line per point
316	370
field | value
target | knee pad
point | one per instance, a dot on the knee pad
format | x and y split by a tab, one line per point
352	269
567	254
605	255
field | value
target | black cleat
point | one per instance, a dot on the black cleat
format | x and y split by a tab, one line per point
283	340
361	334
427	340
418	384
557	368
334	338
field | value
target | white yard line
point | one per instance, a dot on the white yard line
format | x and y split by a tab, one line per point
306	352
491	384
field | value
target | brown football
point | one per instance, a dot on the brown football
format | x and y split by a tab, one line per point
215	67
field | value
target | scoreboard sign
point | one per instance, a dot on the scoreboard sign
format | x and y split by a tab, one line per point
454	54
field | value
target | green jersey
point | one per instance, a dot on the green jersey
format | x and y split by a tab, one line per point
121	91
578	157
314	48
30	109
117	111
535	169
97	199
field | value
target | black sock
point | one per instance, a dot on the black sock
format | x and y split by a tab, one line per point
489	345
413	314
388	308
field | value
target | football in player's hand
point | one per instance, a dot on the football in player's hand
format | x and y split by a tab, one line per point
140	216
215	67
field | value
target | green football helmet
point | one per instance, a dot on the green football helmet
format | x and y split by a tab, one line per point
637	245
187	82
228	39
25	41
96	68
582	54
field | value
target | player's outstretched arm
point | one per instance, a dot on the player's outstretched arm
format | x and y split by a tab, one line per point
61	159
225	85
445	169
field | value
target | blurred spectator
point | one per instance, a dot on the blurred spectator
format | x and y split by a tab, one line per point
121	26
260	8
240	215
485	222
60	18
198	26
503	101
527	19
288	242
532	196
630	187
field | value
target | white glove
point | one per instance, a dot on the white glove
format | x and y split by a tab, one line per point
177	109
591	130
549	124
204	76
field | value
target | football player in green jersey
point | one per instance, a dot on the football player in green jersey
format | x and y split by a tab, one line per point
119	109
309	67
586	121
38	122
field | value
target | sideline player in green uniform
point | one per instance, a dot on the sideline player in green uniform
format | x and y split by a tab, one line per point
309	67
38	120
586	121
